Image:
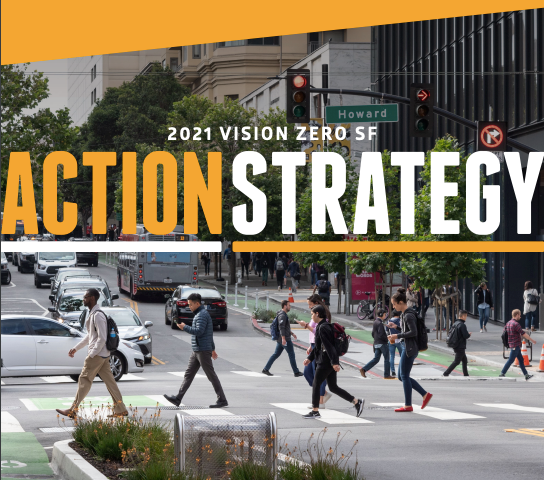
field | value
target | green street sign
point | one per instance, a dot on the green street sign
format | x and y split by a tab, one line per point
119	216
362	113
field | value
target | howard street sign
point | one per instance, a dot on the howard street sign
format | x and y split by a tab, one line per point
362	113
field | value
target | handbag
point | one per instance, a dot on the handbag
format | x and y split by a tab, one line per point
532	299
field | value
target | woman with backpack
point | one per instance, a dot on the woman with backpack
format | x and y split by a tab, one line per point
408	335
328	364
531	299
280	271
309	370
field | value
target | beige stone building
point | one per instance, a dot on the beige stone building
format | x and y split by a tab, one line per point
235	69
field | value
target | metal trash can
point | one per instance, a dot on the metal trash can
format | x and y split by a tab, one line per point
211	446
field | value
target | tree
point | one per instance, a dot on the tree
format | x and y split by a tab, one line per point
39	133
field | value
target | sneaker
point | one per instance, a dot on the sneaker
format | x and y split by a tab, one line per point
220	404
393	374
481	331
444	375
404	409
360	406
312	414
172	399
528	376
390	377
485	328
326	397
279	288
502	375
299	374
426	400
363	373
266	372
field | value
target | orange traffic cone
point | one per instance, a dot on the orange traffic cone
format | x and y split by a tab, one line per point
541	366
524	353
291	299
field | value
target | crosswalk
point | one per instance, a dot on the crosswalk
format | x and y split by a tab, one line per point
434	412
332	417
511	406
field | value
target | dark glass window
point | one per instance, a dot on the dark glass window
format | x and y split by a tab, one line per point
14	326
49	328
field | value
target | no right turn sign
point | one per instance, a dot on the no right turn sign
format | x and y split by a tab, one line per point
492	136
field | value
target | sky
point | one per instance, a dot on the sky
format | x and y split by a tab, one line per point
56	71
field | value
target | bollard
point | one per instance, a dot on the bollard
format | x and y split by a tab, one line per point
235	295
256	299
245	308
227	291
267	299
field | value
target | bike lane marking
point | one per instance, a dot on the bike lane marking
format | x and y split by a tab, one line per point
34	404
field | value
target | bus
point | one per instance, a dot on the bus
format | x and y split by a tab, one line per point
152	273
142	235
20	229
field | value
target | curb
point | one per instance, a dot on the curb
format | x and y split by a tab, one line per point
69	465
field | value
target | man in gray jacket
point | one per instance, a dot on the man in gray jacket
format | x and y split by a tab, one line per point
284	341
203	353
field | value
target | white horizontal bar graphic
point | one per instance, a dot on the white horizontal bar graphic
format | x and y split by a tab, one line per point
117	247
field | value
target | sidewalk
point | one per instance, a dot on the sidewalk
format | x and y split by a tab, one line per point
484	349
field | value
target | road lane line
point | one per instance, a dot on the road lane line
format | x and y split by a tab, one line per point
526	432
512	406
157	360
434	412
10	424
29	404
331	417
182	374
253	374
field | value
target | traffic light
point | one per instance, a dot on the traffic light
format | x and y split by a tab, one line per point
298	96
421	110
492	136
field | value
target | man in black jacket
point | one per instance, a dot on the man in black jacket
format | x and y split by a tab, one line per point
284	341
460	347
327	364
381	347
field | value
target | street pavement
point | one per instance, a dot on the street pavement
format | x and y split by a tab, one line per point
460	435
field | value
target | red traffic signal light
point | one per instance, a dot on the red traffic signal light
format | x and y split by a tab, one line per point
298	96
421	110
299	81
423	95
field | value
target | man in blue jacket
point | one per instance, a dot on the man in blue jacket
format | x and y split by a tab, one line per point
203	353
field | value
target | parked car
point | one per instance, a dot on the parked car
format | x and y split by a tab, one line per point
24	261
66	272
49	263
69	305
34	346
6	274
84	282
90	258
177	307
131	328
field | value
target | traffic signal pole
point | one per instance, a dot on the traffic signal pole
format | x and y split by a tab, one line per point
439	111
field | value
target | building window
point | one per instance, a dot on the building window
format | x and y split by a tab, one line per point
93	73
204	53
185	55
173	63
92	98
214	99
231	97
163	63
251	41
196	51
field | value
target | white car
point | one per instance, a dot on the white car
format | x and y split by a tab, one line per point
34	346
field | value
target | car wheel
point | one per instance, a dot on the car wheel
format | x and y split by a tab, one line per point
117	365
147	360
174	324
223	326
166	321
75	378
37	282
18	267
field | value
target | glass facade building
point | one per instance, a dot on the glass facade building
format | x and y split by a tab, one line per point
485	67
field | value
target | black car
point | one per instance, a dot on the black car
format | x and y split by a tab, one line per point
90	258
6	275
177	307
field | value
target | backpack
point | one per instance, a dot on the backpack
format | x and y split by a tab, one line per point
341	339
112	340
504	338
275	329
452	339
532	299
322	287
422	338
279	265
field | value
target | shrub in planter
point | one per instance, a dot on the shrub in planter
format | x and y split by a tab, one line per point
251	471
293	316
264	315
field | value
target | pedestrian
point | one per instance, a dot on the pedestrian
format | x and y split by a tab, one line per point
485	304
272	256
397	344
89	231
284	341
323	287
426	296
205	257
279	267
203	353
408	335
515	333
459	335
258	263
245	260
531	299
309	370
293	272
264	269
313	273
327	364
381	346
97	361
227	254
111	234
411	296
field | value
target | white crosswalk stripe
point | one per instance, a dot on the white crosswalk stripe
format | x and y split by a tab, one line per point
253	374
512	406
331	417
66	379
200	411
182	374
434	412
10	424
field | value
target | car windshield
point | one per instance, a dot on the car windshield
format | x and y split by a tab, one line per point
57	256
204	292
63	275
73	302
123	317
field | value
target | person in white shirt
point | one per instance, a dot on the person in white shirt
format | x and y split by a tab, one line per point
97	361
529	309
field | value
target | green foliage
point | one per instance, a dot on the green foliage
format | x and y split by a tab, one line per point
293	316
251	471
39	133
264	314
